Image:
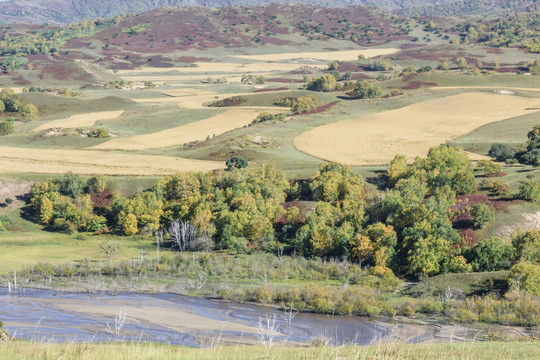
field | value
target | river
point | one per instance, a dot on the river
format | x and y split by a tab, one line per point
56	316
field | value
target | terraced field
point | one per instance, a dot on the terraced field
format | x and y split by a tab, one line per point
178	136
411	130
80	120
45	161
345	55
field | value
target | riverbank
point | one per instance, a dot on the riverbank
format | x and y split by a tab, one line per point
65	317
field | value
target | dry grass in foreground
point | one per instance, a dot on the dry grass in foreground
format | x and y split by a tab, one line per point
127	351
411	130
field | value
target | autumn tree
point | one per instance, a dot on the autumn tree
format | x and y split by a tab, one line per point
365	90
29	112
324	83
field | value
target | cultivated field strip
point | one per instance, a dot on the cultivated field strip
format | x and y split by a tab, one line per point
46	161
496	88
178	136
411	130
217	67
80	120
345	55
185	92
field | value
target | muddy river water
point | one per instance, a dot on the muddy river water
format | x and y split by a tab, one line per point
54	316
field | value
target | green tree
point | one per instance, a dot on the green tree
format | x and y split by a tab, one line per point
324	83
482	215
97	223
501	152
334	65
29	112
397	170
426	255
12	101
534	67
2	106
462	63
529	190
491	254
445	166
525	277
96	184
72	184
527	246
489	167
365	90
237	162
6	127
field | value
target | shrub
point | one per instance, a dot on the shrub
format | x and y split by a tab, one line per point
365	90
525	277
501	152
482	215
529	190
6	127
300	104
98	133
237	162
29	112
491	254
489	167
264	117
231	101
324	83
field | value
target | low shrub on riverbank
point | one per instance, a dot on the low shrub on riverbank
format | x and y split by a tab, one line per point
315	285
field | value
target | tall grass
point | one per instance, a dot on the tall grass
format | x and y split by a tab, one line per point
131	351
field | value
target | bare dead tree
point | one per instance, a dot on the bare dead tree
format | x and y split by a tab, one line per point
119	321
159	241
182	233
267	330
280	253
289	314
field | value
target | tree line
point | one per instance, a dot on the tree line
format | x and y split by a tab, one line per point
406	229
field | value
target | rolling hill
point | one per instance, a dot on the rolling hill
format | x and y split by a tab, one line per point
66	11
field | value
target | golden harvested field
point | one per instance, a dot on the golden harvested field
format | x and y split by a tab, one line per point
217	67
186	92
168	78
197	101
496	88
178	136
411	130
346	55
80	120
45	161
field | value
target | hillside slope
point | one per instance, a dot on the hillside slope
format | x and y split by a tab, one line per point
65	11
